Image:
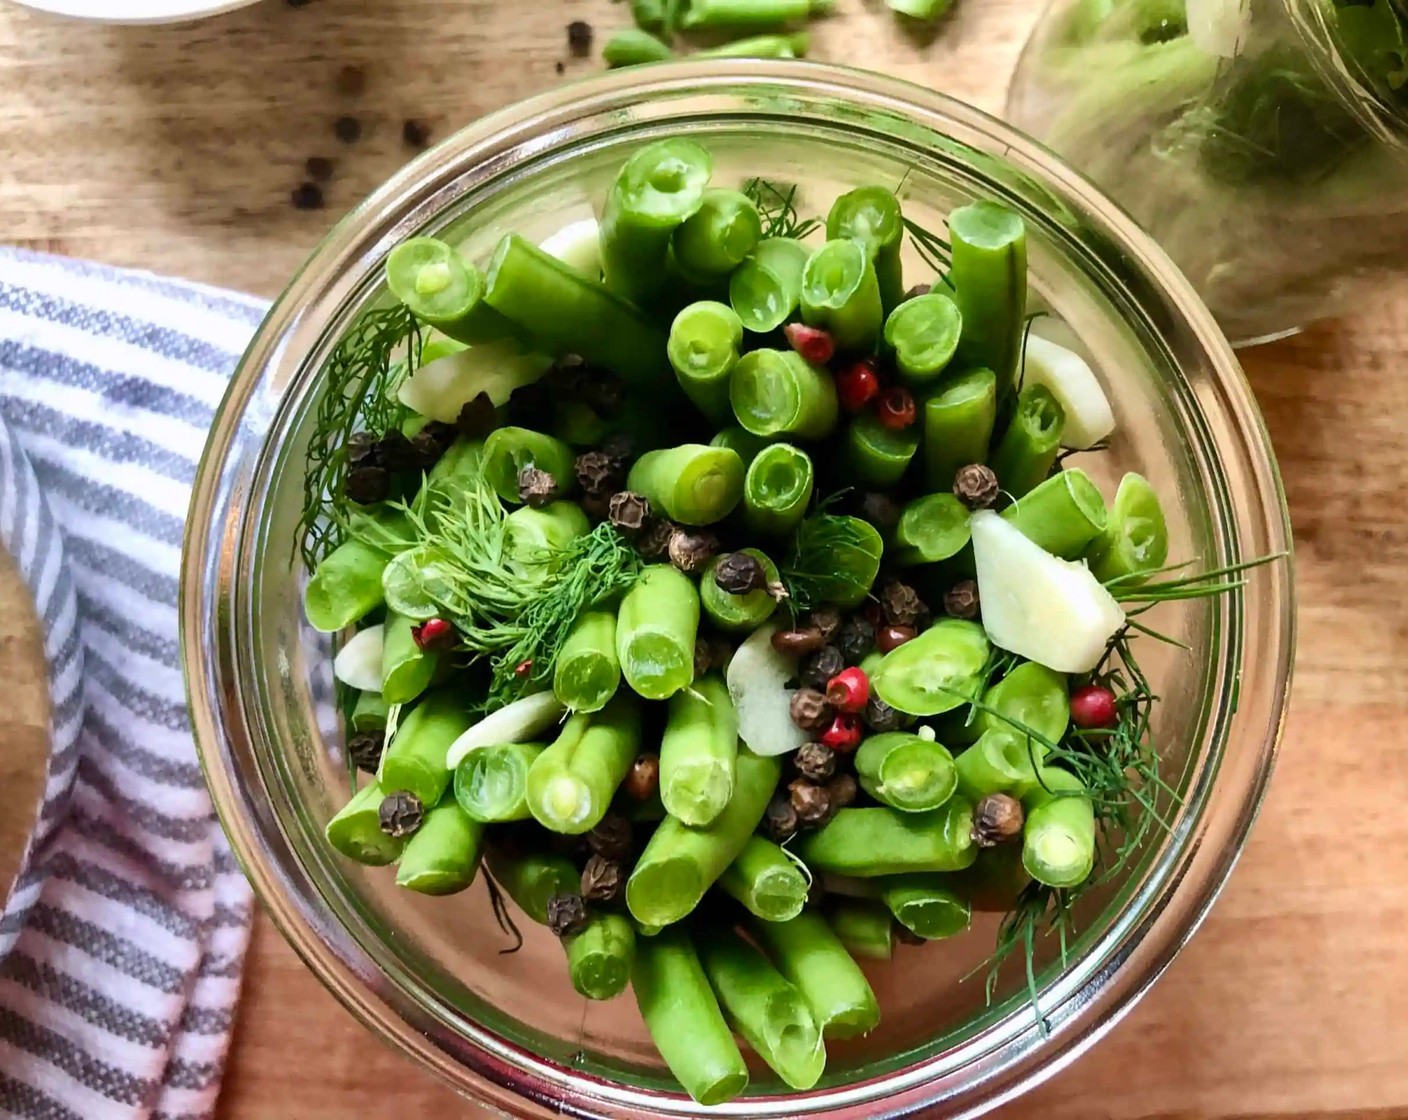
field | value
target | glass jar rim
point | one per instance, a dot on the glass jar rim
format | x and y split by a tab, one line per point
974	1077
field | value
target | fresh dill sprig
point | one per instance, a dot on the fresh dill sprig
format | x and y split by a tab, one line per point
358	395
1134	588
814	571
777	206
1039	911
933	250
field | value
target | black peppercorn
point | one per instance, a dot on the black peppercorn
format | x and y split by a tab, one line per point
567	914
643	778
900	603
879	716
653	541
842	790
318	167
976	486
428	447
347	129
855	639
919	290
621	449
565	375
961	601
604	392
780	820
536	487
818	668
400	814
691	549
414	133
825	621
396	453
361	450
703	657
531	406
628	511
997	818
364	749
597	473
812	802
368	485
603	880
478	417
809	709
307	196
815	761
739	573
612	838
579	38
880	510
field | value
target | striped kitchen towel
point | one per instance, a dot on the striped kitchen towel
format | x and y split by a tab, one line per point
122	942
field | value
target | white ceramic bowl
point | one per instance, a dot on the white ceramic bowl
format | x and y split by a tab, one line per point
136	11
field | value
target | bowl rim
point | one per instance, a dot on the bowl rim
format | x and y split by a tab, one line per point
504	1075
135	11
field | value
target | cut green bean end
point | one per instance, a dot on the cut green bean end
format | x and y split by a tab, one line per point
431	279
916	777
663	892
698	791
655	664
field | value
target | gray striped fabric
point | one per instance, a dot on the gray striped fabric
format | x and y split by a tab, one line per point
122	942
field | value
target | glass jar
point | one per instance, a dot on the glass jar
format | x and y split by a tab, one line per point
1260	142
427	974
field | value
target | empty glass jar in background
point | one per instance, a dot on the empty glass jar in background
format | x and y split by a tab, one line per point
1263	143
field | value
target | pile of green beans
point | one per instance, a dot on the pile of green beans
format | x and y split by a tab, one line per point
728	412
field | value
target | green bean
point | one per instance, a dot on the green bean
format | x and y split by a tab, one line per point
1058	843
406	669
1135	538
443	855
571	783
682	1015
995	880
935	672
650	15
415	758
767	881
703	349
872	216
564	312
534	533
759	46
346	587
1063	515
999	762
660	186
719	236
1030	696
905	771
927	11
777	489
631	46
531	878
510	450
369	713
738	614
599	958
865	927
779	393
878	456
767	288
852	549
841	295
762	1006
680	863
587	672
989	274
1027	451
931	529
491	783
355	830
881	841
655	632
443	290
927	905
698	751
748	15
694	484
742	442
807	951
958	423
923	334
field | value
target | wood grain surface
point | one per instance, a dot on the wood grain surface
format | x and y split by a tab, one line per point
176	149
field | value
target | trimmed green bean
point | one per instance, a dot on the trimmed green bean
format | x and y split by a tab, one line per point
694	484
841	295
1030	696
1058	843
660	186
958	423
680	863
923	334
1027	451
720	235
878	456
768	882
748	15
346	587
406	669
1063	515
631	46
415	758
905	771
600	957
703	349
650	15
807	951
655	632
762	1006
1135	538
935	672
738	614
444	291
369	713
989	274
571	783
533	533
872	216
531	878
930	529
927	11
491	783
443	855
865	927
510	450
564	312
779	393
881	841
759	46
742	442
777	489
587	671
853	548
927	905
683	1017
767	288
999	762
698	751
355	830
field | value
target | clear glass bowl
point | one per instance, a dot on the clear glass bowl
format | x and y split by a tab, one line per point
427	974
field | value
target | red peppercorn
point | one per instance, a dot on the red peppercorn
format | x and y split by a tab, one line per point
857	385
433	634
895	409
845	733
1093	706
848	690
813	343
523	668
888	637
